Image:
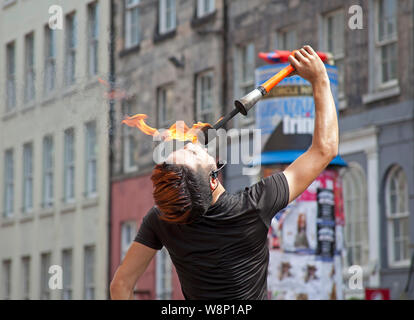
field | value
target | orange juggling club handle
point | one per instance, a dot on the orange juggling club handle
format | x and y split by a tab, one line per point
273	81
243	105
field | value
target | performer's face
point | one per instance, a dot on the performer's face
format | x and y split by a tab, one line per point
194	156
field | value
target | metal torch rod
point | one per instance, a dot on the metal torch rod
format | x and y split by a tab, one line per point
244	104
248	101
225	119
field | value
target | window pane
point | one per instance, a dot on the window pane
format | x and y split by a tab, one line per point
29	67
6	279
25	277
89	273
70	49
50	55
402	191
8	183
10	83
44	276
134	27
389	62
47	171
329	34
69	169
350	253
357	255
27	177
397	192
386	19
397	248
406	238
91	148
67	274
393	196
51	42
93	38
169	15
397	228
356	230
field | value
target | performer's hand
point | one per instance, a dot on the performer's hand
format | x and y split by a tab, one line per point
308	65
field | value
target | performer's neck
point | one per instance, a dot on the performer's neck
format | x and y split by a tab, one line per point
217	193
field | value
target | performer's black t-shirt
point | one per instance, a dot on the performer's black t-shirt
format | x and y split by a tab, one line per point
224	254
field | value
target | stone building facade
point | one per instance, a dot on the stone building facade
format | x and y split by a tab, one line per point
53	149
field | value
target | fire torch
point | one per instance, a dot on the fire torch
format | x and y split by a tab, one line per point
244	104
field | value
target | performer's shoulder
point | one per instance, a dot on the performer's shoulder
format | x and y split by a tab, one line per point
154	211
152	214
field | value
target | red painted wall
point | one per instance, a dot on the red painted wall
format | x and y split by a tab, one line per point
131	200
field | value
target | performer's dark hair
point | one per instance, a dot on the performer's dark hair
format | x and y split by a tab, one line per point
181	193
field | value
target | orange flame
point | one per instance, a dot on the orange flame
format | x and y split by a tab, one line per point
178	131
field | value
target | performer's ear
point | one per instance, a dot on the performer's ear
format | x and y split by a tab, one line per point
213	183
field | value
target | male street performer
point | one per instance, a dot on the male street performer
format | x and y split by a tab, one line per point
217	240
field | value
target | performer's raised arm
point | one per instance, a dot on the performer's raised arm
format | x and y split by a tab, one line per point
304	170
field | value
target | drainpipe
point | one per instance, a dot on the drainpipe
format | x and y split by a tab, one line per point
224	78
111	132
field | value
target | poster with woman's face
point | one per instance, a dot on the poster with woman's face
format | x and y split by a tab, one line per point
299	228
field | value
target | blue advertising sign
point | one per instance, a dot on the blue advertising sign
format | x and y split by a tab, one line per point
286	115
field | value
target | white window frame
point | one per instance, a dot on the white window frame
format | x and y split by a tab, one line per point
356	213
93	38
91	162
205	97
167	18
67	280
11	101
132	7
244	74
282	40
7	279
8	183
163	275
69	166
29	66
338	36
26	261
89	273
205	7
130	146
379	44
48	171
45	263
392	217
165	106
128	233
28	178
50	60
70	49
